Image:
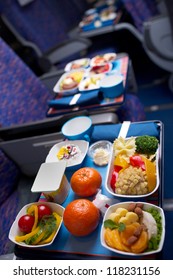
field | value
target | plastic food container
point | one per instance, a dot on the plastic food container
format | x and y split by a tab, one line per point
100	69
52	182
91	83
101	59
110	172
74	161
77	64
69	82
113	208
100	152
14	230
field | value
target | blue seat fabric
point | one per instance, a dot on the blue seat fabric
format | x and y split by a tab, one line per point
140	11
9	200
42	21
23	97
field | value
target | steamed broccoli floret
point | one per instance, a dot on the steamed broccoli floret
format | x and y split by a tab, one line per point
146	144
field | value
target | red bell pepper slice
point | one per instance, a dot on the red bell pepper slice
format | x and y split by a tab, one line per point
115	176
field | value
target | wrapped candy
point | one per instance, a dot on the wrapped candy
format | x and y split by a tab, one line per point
102	202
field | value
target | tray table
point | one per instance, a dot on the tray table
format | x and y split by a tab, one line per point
67	246
122	64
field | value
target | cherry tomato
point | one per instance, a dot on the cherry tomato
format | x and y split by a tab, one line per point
43	210
26	223
137	161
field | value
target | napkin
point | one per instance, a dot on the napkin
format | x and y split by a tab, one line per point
111	131
79	99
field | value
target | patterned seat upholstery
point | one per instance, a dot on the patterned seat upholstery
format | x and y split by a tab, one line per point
132	110
23	97
38	32
9	200
140	11
11	180
42	21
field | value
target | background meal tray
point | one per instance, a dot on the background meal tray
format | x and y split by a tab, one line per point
89	247
102	24
121	65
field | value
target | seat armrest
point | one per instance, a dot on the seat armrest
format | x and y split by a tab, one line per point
132	29
46	126
51	125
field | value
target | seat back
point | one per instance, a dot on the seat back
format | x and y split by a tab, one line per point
9	199
23	97
44	22
140	11
7	183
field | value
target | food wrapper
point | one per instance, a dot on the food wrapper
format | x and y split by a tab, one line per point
102	202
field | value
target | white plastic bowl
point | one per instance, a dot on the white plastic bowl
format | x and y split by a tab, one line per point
104	68
83	62
90	11
93	82
75	161
113	208
108	18
57	88
103	144
14	230
109	175
94	61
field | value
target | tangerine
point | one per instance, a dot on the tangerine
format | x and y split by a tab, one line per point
81	217
86	181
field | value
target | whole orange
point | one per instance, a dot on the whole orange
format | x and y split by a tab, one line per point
86	181
81	217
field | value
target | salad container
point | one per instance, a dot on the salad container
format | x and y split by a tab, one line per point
120	239
117	168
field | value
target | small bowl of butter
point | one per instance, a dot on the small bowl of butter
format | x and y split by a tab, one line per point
100	152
